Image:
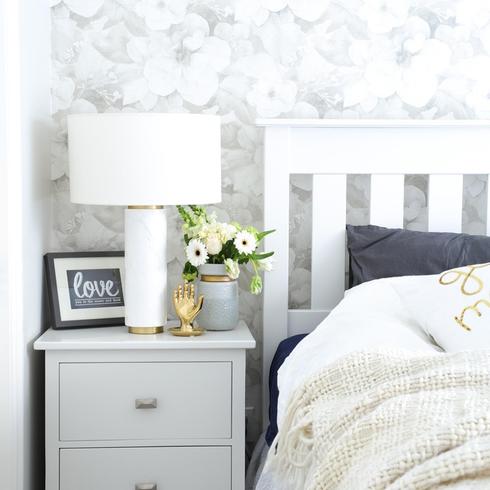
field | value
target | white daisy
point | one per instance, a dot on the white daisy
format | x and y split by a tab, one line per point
245	242
196	253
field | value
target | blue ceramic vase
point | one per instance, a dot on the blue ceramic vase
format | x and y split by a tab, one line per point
220	307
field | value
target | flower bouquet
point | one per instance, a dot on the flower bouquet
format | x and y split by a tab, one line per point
210	242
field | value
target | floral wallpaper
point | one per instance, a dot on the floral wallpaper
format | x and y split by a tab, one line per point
244	59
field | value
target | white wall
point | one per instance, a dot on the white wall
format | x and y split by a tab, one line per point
6	434
25	171
36	121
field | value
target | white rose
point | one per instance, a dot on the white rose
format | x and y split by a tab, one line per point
227	231
213	244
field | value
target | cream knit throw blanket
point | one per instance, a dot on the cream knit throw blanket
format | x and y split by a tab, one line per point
376	420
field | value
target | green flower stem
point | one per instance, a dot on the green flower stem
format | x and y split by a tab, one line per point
255	279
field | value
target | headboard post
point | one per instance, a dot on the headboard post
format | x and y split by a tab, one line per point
276	216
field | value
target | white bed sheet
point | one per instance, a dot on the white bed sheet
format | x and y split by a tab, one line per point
370	316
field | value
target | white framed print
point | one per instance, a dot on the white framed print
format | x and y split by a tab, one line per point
85	289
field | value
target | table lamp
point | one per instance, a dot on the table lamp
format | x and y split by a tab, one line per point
144	162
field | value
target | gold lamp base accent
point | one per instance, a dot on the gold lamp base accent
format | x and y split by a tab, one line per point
145	330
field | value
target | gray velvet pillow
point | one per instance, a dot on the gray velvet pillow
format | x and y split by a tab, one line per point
376	252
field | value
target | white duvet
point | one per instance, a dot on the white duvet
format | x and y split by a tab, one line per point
370	316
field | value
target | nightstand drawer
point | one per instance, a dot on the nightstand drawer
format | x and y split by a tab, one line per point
145	401
168	468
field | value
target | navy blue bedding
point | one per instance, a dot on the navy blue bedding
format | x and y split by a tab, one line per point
377	252
283	350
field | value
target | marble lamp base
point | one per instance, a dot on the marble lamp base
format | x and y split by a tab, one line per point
145	269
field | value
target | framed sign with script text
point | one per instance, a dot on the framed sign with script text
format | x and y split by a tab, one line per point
85	289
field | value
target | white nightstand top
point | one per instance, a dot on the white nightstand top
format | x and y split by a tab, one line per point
117	338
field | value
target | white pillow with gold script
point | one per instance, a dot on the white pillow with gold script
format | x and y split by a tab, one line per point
452	307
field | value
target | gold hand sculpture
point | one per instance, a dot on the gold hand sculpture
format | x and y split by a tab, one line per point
186	309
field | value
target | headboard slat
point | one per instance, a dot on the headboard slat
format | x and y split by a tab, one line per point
386	202
445	206
328	240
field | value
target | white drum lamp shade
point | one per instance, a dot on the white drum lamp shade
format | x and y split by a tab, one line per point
144	161
122	159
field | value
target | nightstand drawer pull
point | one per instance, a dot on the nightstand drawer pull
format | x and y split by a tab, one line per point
142	403
145	486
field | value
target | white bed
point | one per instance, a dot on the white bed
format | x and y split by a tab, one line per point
330	150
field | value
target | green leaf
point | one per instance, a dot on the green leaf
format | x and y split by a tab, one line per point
262	234
190	272
262	256
253	231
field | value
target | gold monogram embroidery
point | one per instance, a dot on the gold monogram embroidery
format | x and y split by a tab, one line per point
468	279
461	319
471	284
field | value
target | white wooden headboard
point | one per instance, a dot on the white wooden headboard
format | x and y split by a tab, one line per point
330	150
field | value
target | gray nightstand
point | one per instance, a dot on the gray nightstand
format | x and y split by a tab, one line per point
145	412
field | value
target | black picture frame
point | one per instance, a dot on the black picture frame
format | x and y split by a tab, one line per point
56	310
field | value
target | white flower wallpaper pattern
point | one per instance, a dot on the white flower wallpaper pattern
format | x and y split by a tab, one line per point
244	59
